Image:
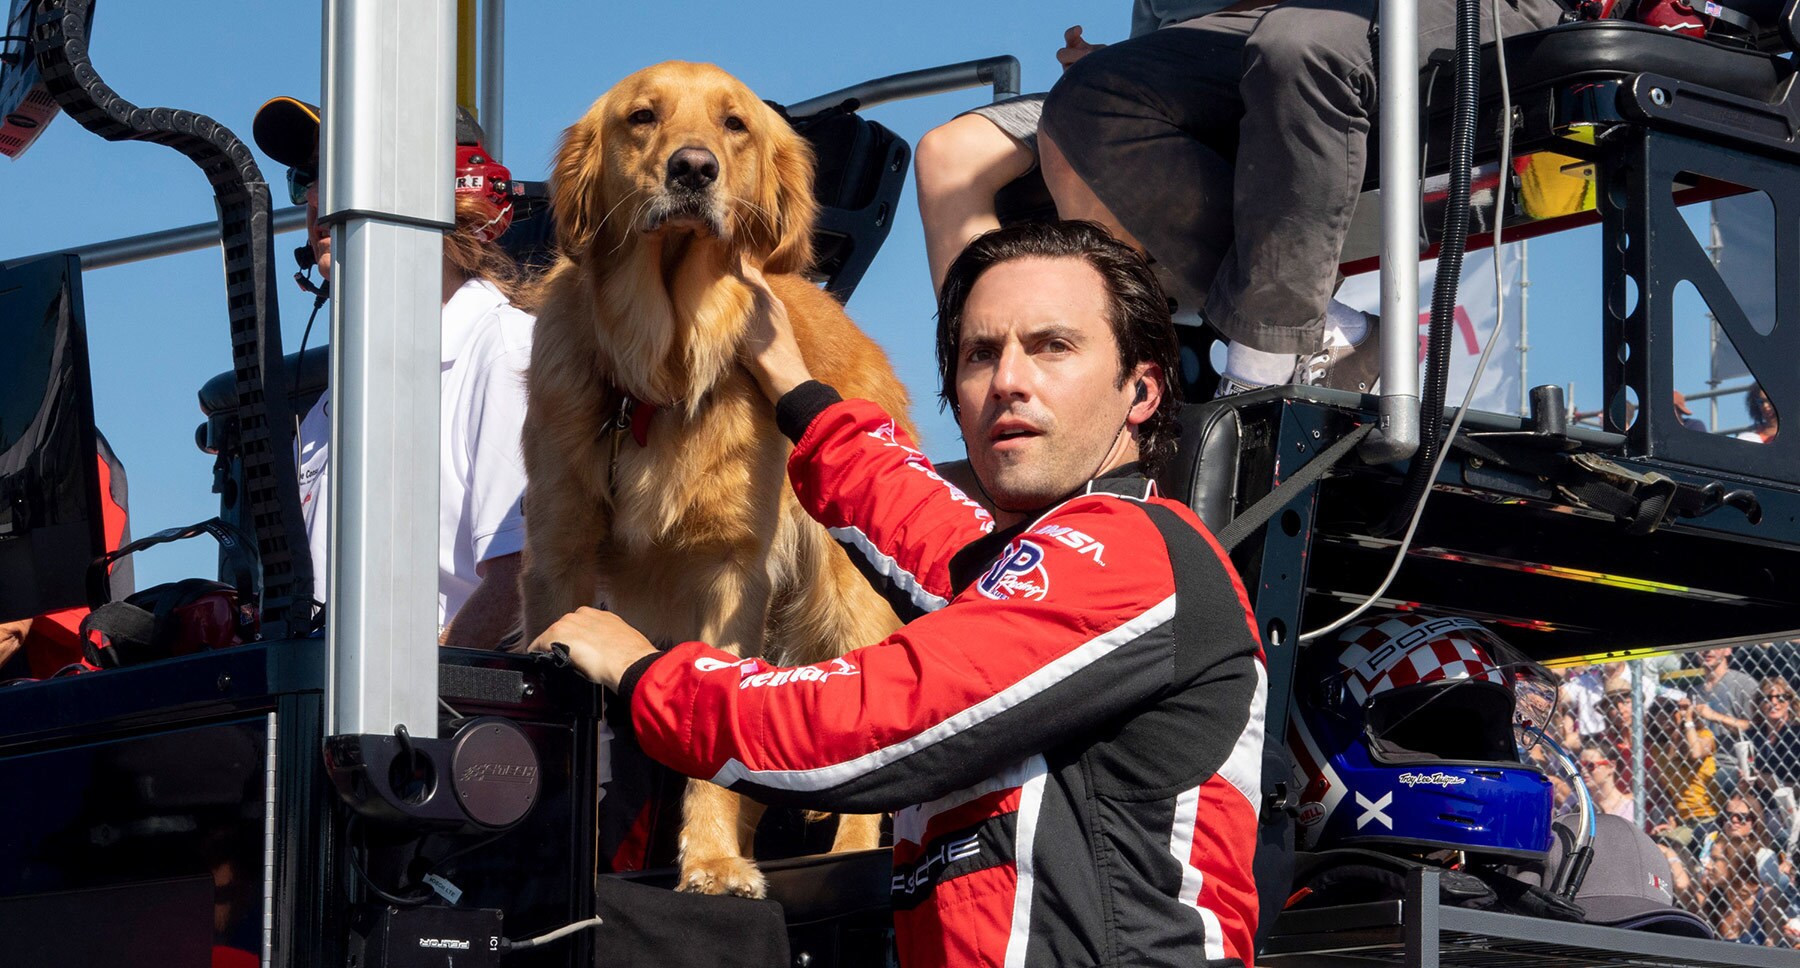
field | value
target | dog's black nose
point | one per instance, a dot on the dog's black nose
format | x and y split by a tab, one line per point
692	169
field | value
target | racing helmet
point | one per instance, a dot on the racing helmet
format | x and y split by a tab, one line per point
1407	737
480	174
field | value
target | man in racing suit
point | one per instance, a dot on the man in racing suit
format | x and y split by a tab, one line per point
1071	729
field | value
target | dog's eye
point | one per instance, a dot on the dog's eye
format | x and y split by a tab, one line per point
642	116
734	123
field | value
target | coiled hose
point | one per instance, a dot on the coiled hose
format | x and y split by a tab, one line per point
1465	113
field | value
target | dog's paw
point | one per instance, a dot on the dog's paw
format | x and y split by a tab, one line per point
724	875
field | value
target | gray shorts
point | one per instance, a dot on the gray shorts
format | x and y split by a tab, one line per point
1017	116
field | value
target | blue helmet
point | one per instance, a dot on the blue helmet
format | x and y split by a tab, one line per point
1405	739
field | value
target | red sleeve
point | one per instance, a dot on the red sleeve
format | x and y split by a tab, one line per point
864	478
1069	628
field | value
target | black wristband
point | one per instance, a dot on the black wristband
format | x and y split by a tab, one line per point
795	411
618	708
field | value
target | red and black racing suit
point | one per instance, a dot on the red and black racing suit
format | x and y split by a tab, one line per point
1070	730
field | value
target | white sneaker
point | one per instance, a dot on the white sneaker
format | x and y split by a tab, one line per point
1342	365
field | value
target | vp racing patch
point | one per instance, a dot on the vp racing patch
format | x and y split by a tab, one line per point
1019	573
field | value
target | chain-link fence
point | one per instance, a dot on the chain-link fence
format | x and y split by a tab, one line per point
1703	750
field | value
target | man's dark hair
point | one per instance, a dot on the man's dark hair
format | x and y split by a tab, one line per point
1136	308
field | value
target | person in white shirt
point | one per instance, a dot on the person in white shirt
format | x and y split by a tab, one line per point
486	344
1763	422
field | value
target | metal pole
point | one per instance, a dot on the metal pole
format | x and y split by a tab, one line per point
1001	72
1716	245
387	165
493	75
1397	436
1525	326
151	245
1637	742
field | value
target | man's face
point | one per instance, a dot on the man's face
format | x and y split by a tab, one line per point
317	236
1713	658
1037	382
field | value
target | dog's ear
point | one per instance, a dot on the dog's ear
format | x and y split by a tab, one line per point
789	173
576	182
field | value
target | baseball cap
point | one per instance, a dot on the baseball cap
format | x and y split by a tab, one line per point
1628	884
287	130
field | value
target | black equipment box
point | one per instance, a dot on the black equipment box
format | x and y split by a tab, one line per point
206	773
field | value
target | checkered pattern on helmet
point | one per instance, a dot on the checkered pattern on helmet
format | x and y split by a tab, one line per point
1448	655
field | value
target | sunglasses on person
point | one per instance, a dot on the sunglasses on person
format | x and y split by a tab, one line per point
1591	765
299	180
1774	697
1736	817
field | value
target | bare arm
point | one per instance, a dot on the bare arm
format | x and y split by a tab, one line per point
1713	715
12	637
1699	743
492	611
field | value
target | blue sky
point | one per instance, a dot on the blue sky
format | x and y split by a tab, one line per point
158	329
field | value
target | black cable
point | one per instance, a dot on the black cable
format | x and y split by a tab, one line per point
438	865
306	334
1464	118
362	873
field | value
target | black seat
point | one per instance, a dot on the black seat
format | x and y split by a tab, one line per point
1614	49
860	170
1558	80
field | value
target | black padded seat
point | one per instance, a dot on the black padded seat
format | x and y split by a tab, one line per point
1204	472
307	372
1598	50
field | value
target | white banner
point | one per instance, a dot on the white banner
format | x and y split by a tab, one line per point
1472	327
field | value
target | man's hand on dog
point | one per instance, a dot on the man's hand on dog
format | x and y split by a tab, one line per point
600	644
770	351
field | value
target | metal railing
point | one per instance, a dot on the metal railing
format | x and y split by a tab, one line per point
153	245
1001	73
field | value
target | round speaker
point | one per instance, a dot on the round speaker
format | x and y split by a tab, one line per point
494	772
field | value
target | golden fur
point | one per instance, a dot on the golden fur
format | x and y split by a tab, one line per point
696	535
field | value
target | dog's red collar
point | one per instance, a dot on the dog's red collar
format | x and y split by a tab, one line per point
633	415
641	414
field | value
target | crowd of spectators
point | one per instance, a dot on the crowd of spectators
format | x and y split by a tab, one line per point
1702	750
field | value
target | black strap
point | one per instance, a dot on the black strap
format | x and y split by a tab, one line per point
241	557
1258	514
122	624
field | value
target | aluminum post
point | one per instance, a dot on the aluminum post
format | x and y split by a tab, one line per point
386	166
493	75
1397	436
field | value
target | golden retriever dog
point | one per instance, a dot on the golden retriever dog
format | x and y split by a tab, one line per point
680	518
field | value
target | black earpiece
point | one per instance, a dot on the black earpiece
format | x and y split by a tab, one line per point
1143	393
